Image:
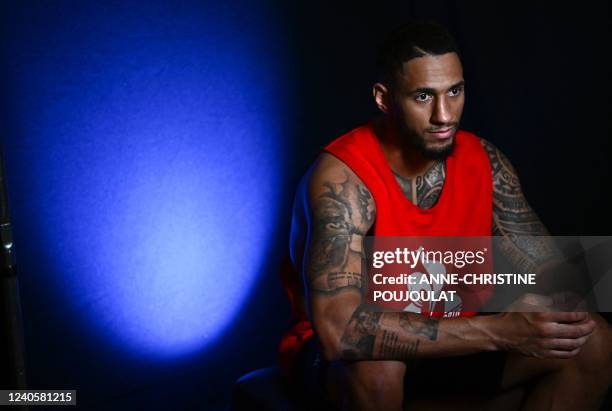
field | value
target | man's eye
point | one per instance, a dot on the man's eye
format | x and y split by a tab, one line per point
455	91
423	97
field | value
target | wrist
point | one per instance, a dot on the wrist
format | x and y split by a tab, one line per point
486	327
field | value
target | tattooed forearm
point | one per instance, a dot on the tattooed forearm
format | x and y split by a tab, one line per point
340	214
389	335
513	217
392	348
360	334
424	190
419	325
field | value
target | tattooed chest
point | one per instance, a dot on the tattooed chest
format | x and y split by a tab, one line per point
424	191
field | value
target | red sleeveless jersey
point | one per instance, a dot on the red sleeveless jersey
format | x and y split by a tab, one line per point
464	207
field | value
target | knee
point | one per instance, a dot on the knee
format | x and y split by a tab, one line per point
595	357
380	384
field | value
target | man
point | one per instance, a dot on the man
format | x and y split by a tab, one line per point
413	172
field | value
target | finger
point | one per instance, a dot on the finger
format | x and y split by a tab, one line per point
561	354
564	317
560	330
587	319
565	344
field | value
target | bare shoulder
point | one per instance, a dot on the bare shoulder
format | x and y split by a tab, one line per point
504	174
512	214
329	198
329	168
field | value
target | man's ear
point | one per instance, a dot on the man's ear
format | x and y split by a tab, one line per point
381	96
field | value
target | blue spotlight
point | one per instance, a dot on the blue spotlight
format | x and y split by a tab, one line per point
152	156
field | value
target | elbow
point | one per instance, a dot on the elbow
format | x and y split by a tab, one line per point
332	352
330	342
331	324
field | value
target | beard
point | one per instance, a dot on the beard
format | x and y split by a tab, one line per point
416	141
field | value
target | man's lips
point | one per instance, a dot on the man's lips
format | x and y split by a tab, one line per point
442	134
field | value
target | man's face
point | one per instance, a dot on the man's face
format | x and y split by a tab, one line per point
426	102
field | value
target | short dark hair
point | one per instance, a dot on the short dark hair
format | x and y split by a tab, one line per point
412	40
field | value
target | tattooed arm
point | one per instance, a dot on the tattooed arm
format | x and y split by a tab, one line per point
340	210
526	243
524	240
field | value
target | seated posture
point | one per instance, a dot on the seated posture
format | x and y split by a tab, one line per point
413	172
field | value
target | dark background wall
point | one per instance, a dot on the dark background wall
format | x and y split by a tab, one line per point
152	149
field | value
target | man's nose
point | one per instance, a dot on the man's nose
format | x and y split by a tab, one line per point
441	111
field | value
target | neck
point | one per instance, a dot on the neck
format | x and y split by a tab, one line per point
406	161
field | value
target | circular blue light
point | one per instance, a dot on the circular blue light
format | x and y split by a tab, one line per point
158	158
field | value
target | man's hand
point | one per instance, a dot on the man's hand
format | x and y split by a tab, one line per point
533	329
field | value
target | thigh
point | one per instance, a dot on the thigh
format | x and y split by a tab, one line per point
378	384
371	384
520	368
